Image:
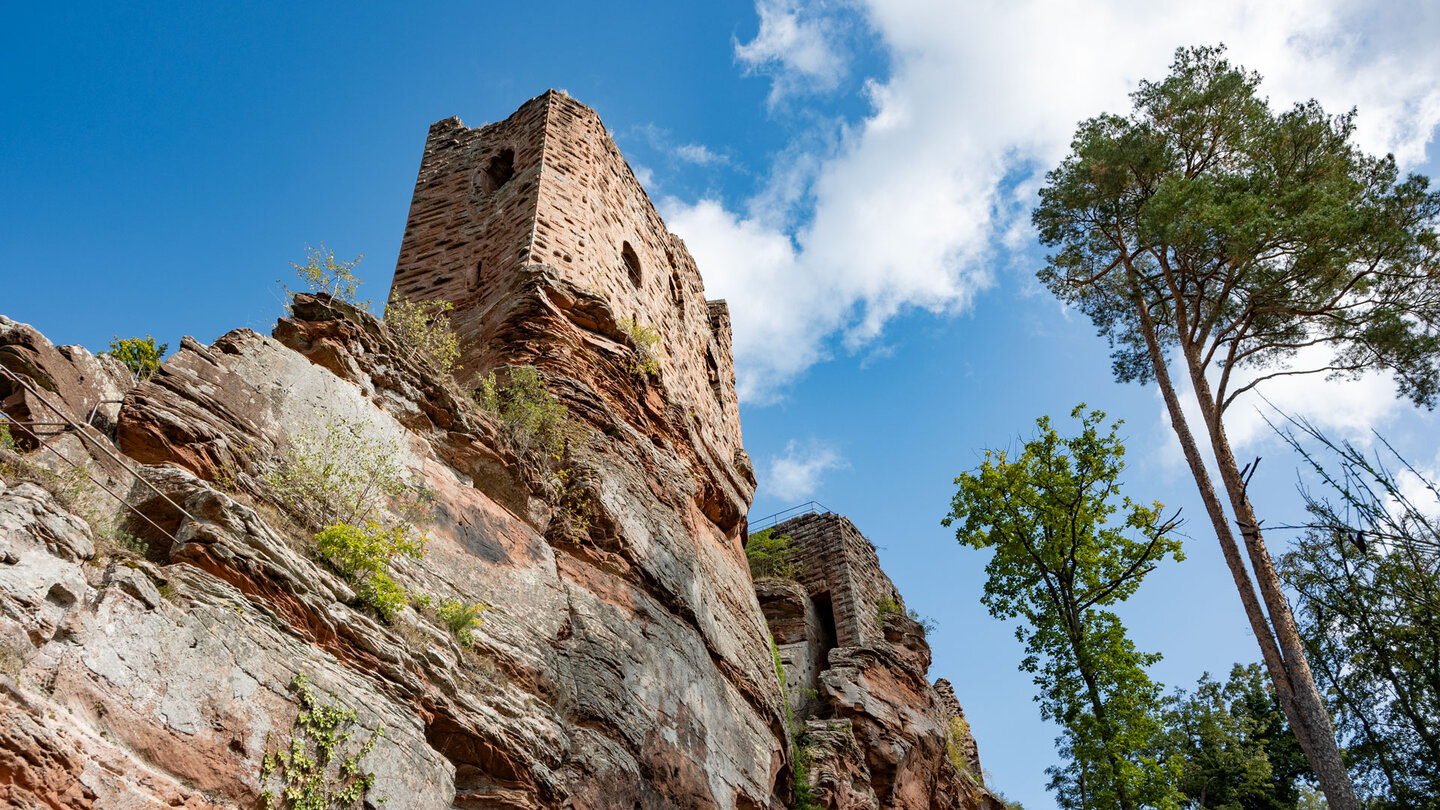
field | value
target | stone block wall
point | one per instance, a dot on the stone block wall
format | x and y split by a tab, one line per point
838	560
547	188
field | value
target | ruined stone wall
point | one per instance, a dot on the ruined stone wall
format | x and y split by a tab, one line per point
835	558
573	205
465	225
878	734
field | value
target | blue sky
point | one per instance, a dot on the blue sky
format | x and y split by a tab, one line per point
854	177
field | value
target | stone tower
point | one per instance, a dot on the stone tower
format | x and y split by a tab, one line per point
545	201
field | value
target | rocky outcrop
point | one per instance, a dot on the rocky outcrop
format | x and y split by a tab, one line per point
877	734
168	625
628	667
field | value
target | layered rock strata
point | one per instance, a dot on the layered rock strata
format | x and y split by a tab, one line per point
166	626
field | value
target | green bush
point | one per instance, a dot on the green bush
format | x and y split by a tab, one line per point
645	339
312	771
462	618
887	604
534	419
804	794
955	735
772	556
323	274
140	355
7	441
927	624
364	555
423	327
335	472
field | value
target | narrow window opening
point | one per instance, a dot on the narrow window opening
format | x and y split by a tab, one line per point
712	369
677	294
474	280
499	171
632	263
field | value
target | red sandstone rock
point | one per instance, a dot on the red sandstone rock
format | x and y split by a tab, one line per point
877	731
629	667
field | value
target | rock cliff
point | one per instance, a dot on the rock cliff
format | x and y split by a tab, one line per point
171	634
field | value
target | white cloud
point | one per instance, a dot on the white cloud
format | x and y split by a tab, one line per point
796	474
700	155
912	205
796	46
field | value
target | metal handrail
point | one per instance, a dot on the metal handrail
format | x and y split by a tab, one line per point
102	448
807	508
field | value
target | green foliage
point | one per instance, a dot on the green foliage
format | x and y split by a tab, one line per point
130	543
772	556
7	441
1247	234
140	355
364	555
1058	562
572	505
1368	598
886	605
322	273
1233	744
645	340
804	793
955	733
535	420
423	327
338	472
462	618
312	769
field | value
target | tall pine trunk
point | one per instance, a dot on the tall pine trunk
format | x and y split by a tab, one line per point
1314	733
1324	752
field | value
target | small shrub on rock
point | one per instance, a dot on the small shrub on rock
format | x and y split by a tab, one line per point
462	618
645	340
955	735
337	472
363	556
322	273
534	419
312	769
424	328
772	556
7	441
141	355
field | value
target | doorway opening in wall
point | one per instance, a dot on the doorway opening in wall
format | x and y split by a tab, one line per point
829	639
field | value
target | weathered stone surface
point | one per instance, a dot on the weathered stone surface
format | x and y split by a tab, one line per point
624	661
85	388
876	731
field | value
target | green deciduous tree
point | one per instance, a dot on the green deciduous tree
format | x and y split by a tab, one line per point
1207	231
1234	747
1367	573
771	555
1059	562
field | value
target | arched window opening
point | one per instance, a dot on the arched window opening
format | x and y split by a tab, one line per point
499	171
632	263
